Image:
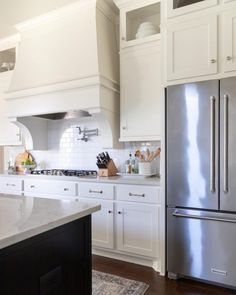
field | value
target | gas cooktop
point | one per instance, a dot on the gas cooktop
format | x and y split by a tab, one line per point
64	172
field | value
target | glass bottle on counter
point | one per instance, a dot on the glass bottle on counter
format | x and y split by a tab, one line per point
128	165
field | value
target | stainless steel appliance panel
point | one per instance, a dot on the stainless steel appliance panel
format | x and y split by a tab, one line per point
192	145
228	144
201	244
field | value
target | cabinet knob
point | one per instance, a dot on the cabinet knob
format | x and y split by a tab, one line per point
32	186
213	61
124	128
119	212
228	57
109	211
66	189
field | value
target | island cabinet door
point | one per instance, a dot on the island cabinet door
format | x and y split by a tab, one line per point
137	229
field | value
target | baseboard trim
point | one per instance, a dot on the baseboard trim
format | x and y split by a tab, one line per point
153	263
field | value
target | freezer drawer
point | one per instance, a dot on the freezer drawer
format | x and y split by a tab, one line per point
202	245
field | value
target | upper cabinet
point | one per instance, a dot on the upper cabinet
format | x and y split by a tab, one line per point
229	23
201	45
9	133
192	48
179	7
141	92
140	70
139	23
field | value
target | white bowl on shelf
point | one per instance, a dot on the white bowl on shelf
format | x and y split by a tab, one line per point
146	25
146	29
145	33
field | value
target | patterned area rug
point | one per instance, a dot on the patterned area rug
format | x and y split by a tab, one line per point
107	284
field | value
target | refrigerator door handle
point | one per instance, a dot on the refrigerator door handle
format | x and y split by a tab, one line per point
202	217
225	147
212	144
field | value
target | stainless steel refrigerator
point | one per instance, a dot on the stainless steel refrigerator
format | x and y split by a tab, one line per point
201	180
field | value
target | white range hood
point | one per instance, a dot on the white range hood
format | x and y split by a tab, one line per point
67	61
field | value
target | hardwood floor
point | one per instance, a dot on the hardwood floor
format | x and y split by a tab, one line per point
158	285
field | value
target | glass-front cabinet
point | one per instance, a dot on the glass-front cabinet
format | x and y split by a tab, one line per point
179	7
140	23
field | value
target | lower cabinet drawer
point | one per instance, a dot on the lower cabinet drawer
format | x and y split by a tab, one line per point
96	190
138	193
10	184
50	187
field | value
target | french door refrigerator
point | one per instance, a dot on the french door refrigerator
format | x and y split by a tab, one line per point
201	180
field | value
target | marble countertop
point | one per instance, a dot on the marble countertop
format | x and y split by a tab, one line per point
25	217
129	179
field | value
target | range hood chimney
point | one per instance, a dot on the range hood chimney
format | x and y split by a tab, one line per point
67	67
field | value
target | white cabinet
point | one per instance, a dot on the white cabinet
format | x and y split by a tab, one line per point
11	185
103	220
137	193
140	70
177	8
128	222
138	219
192	48
50	188
9	133
141	92
229	29
96	190
102	224
137	229
133	13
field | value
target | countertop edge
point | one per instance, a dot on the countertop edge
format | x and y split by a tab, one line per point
19	237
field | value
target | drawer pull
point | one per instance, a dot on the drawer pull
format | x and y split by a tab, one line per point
10	184
95	192
136	195
119	212
66	189
32	186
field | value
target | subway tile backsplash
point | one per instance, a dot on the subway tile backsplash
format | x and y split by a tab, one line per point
66	150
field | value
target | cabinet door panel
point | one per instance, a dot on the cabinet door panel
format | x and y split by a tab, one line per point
49	188
192	48
102	230
137	227
9	133
138	193
11	185
102	224
229	41
140	93
96	190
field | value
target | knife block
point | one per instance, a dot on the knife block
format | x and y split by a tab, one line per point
111	170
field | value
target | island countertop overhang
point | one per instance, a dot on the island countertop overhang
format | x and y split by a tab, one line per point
25	217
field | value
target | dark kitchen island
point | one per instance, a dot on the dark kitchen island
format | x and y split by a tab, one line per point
45	246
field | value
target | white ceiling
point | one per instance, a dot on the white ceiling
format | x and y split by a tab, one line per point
16	11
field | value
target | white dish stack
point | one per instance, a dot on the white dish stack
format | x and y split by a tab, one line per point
146	29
